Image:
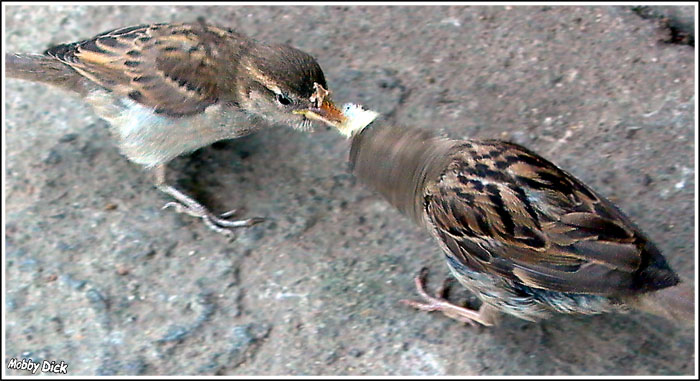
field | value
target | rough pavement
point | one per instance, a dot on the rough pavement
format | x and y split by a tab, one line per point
99	276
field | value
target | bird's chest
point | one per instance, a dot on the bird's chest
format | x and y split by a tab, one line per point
151	139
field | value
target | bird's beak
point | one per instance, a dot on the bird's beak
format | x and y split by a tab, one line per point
327	113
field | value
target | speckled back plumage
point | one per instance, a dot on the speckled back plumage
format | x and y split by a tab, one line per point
168	67
516	229
504	210
181	69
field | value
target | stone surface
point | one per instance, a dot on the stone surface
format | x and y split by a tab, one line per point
680	21
99	276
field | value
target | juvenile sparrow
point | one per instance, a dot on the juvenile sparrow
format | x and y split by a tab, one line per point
526	237
169	89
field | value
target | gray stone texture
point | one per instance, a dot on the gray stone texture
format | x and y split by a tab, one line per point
99	276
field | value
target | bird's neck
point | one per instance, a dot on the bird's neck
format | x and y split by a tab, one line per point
399	162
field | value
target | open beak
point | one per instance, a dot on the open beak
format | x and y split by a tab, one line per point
327	113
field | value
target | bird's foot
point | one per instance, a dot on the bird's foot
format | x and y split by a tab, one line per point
440	303
220	224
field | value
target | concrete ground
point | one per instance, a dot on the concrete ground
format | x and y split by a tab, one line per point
98	276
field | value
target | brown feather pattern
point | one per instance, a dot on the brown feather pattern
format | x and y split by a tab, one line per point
176	69
170	89
548	229
510	222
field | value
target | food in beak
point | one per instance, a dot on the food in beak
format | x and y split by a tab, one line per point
356	119
323	110
330	113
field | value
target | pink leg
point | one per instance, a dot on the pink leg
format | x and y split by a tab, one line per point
485	315
186	204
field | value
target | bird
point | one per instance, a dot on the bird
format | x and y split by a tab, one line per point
168	89
526	237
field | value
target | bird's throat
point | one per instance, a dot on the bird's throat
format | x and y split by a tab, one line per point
399	162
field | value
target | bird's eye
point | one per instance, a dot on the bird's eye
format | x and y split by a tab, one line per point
284	101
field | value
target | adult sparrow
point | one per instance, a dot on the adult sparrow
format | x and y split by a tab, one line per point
525	236
169	89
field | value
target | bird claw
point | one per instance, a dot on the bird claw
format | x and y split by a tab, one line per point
440	303
228	214
186	204
219	224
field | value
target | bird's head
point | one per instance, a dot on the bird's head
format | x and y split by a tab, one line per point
286	86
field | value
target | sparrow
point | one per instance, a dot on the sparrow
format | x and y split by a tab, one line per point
526	237
169	89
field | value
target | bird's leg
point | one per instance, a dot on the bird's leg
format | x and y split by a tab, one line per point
444	288
186	204
486	315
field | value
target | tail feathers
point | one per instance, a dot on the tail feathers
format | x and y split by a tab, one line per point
43	69
676	303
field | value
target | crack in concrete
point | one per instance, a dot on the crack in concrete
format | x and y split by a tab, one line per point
679	32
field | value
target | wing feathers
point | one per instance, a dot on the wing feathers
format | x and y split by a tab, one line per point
168	67
533	223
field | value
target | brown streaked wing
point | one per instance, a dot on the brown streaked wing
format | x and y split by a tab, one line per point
167	67
492	220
